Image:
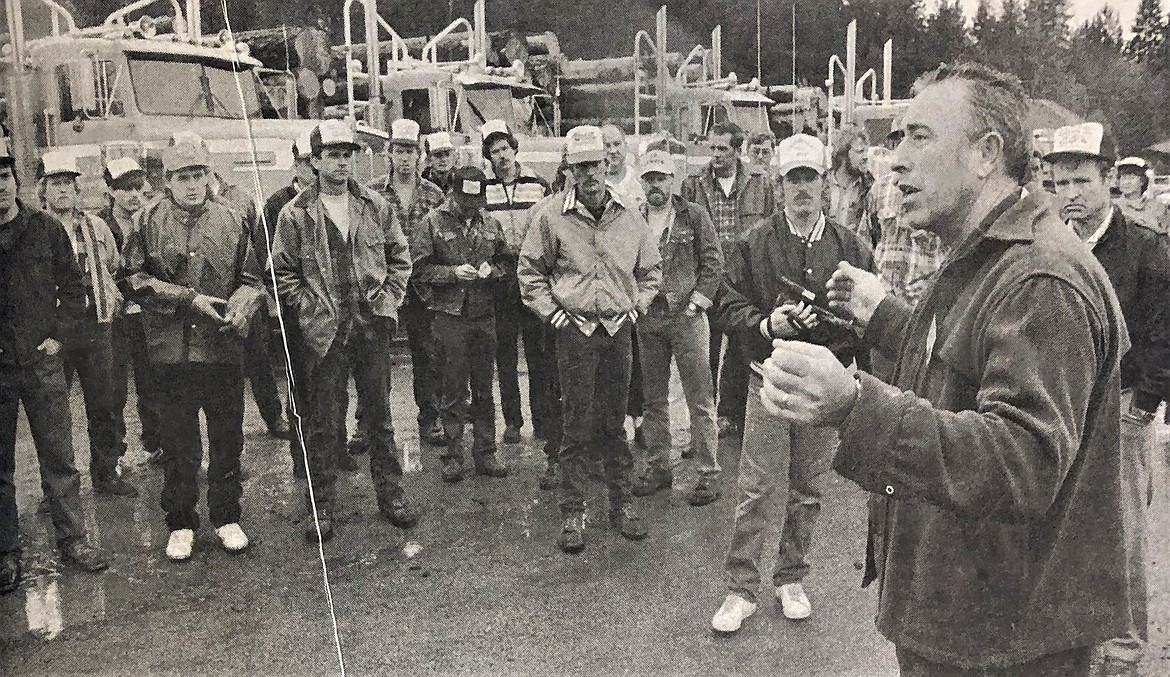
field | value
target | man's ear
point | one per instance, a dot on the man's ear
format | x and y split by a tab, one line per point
988	152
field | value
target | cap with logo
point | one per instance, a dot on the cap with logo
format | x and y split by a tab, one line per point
439	141
404	132
584	144
1084	141
801	150
122	168
469	185
332	133
657	162
1132	165
58	163
185	155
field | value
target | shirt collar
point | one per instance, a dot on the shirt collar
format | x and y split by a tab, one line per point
1100	232
818	230
570	203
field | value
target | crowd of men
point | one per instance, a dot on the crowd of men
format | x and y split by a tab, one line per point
976	334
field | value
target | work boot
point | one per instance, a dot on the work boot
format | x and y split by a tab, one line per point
552	478
627	519
703	493
512	434
398	511
114	486
488	464
572	539
433	434
10	573
452	471
280	430
84	556
325	521
652	480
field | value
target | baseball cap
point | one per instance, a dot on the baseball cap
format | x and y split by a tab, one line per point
184	155
56	163
186	136
584	144
657	161
1087	140
404	132
332	133
7	159
469	185
121	168
303	146
494	126
439	141
801	150
1133	164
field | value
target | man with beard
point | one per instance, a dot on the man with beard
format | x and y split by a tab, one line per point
997	522
676	326
780	458
590	269
440	160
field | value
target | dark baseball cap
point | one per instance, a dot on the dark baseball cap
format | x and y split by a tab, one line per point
470	185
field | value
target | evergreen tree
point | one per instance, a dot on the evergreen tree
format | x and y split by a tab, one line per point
945	33
1149	32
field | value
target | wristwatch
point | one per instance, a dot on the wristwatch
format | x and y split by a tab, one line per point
1138	415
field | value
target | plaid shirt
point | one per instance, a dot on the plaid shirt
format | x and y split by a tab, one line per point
723	214
427	196
906	259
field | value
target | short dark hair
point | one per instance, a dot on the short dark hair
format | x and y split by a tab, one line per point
998	103
1136	171
130	181
493	138
731	128
762	137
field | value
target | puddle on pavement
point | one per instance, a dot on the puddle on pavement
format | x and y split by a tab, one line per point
42	608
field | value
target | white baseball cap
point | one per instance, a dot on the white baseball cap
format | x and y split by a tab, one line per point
404	132
303	146
1135	162
186	136
584	144
56	162
1086	140
183	155
439	141
123	166
802	150
494	126
657	161
332	133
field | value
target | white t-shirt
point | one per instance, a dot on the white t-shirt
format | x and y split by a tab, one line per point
660	220
337	206
727	184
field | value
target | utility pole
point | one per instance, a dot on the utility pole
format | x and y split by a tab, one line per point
19	121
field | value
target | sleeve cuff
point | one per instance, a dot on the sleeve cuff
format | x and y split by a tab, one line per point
868	435
700	300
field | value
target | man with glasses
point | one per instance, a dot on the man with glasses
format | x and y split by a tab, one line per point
736	196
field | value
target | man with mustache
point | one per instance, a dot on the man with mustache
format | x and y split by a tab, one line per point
589	268
997	521
1137	260
676	326
778	457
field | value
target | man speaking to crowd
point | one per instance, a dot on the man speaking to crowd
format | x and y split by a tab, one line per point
998	536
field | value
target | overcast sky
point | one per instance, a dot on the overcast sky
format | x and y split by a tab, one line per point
1081	9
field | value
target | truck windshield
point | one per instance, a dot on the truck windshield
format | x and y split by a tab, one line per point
752	118
166	84
490	103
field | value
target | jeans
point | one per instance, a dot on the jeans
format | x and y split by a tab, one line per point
40	386
685	338
514	321
1071	663
217	390
791	462
595	381
324	409
732	381
467	349
130	351
417	322
92	359
636	403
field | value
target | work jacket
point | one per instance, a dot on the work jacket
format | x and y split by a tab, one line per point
1137	260
998	531
441	244
692	260
752	193
175	254
302	265
41	291
1146	211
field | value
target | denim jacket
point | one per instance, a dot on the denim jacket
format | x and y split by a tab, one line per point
692	260
441	244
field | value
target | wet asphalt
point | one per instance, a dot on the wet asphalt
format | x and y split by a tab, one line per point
477	588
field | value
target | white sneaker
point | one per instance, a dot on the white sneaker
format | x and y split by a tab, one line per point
793	601
232	537
179	545
732	614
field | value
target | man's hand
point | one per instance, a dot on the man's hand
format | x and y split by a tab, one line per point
692	309
235	321
466	272
855	293
805	383
559	319
205	306
788	320
50	347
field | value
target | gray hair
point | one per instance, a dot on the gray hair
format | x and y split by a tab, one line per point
998	104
